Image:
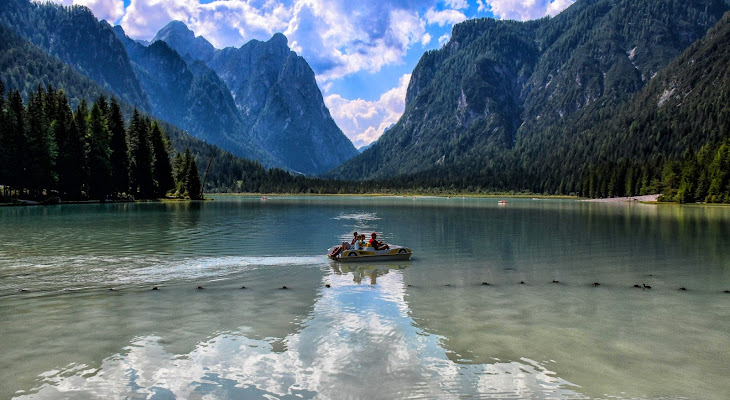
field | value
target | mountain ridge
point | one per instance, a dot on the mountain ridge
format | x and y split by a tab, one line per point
190	94
464	113
274	89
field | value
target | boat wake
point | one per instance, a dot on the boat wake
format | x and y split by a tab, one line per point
51	274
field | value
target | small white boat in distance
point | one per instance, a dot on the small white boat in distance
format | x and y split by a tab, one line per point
394	253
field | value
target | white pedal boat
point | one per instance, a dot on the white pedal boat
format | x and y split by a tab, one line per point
394	253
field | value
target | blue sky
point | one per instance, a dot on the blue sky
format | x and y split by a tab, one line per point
362	51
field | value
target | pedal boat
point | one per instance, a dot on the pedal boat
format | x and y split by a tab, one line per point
368	253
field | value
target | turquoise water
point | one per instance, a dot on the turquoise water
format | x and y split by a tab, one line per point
427	328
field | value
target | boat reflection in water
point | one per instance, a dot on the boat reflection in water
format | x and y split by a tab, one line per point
372	271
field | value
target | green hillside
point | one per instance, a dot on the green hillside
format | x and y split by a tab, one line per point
526	106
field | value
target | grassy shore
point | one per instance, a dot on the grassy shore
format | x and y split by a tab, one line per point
26	203
405	194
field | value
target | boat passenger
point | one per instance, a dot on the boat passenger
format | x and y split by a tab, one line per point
345	246
377	245
351	245
361	242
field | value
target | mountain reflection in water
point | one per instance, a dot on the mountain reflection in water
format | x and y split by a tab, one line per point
358	339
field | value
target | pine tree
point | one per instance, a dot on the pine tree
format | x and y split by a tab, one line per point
162	168
718	172
192	178
99	154
41	146
71	159
4	171
180	172
81	121
119	150
140	158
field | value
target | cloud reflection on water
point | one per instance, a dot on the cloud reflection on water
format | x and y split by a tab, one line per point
359	341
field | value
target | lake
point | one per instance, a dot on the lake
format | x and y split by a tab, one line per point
425	328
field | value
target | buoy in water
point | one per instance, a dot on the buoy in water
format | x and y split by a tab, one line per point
200	288
155	288
596	284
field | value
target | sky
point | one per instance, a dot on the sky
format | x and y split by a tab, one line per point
362	51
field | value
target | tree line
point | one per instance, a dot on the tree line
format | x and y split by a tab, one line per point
49	150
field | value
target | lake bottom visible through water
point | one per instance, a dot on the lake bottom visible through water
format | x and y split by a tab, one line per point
535	299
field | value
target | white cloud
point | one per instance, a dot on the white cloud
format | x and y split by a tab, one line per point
110	10
523	9
457	4
364	121
483	7
444	38
426	39
445	17
223	23
337	37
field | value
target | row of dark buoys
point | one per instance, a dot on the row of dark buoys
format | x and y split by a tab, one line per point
203	288
594	284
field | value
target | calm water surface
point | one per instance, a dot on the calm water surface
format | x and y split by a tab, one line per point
427	328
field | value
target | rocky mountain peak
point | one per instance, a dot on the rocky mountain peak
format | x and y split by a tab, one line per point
178	36
279	40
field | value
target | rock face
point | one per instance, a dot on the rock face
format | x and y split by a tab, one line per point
275	91
501	92
179	37
192	96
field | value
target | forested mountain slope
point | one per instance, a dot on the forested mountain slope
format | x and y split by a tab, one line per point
75	36
25	67
489	109
290	127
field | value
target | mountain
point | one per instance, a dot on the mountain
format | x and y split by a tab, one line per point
181	38
277	95
498	106
290	128
683	114
25	67
77	38
365	147
192	96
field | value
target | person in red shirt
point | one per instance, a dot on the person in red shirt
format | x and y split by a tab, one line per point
377	245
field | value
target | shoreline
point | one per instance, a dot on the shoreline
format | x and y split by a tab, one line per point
648	199
33	203
470	195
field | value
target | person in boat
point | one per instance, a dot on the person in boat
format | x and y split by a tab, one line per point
361	242
351	245
377	245
345	246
